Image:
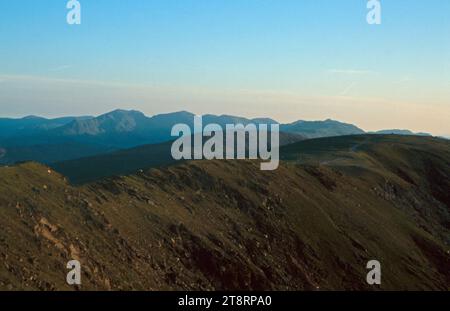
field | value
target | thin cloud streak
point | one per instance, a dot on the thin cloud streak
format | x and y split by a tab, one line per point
348	89
60	68
351	72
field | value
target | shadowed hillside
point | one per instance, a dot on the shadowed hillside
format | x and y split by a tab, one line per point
129	161
333	205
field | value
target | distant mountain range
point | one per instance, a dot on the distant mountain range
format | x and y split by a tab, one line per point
32	124
60	139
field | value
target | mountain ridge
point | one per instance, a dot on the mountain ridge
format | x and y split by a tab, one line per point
313	224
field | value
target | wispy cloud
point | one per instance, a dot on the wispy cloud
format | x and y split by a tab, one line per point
60	68
348	89
403	80
351	71
56	81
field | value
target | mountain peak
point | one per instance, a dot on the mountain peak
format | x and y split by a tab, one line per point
33	117
327	128
117	121
122	113
182	113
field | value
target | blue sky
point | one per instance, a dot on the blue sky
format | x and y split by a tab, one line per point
287	59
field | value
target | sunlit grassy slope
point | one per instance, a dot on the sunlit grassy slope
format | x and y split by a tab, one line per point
333	205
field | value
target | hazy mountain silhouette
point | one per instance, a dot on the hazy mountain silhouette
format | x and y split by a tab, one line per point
317	129
32	124
50	140
399	132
